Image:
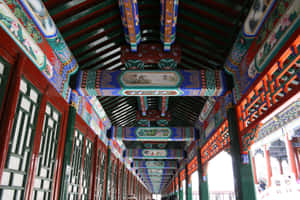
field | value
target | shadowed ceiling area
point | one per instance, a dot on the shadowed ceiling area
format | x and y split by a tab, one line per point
205	32
122	110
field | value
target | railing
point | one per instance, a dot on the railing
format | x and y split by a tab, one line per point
222	195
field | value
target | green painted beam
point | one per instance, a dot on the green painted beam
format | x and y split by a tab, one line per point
116	52
90	23
204	31
83	13
205	20
214	12
94	43
190	35
94	32
201	58
65	6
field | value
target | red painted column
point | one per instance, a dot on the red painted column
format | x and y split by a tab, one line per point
291	155
280	167
268	163
298	163
254	169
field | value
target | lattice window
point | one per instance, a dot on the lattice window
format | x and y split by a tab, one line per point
87	169
4	72
120	182
100	175
15	174
74	181
124	185
114	182
43	182
109	170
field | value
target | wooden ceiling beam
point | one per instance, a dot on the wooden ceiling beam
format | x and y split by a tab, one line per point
95	37
206	14
88	17
100	24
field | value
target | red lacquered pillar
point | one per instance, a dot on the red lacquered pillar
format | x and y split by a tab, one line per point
268	164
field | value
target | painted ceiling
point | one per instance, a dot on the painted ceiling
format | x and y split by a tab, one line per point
204	33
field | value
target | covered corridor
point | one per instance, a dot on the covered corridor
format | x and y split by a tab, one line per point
136	99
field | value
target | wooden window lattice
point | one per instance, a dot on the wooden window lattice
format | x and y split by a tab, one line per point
15	174
87	169
100	175
43	182
74	181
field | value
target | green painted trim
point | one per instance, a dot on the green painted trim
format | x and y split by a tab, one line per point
67	153
289	32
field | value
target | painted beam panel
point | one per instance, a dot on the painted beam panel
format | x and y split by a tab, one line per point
150	172
131	24
152	83
43	21
154	134
151	164
168	20
155	153
150	53
153	116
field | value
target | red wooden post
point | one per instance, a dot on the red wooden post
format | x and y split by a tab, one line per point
268	164
291	155
254	169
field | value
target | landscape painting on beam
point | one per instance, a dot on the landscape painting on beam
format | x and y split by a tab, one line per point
152	83
154	134
155	153
154	164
